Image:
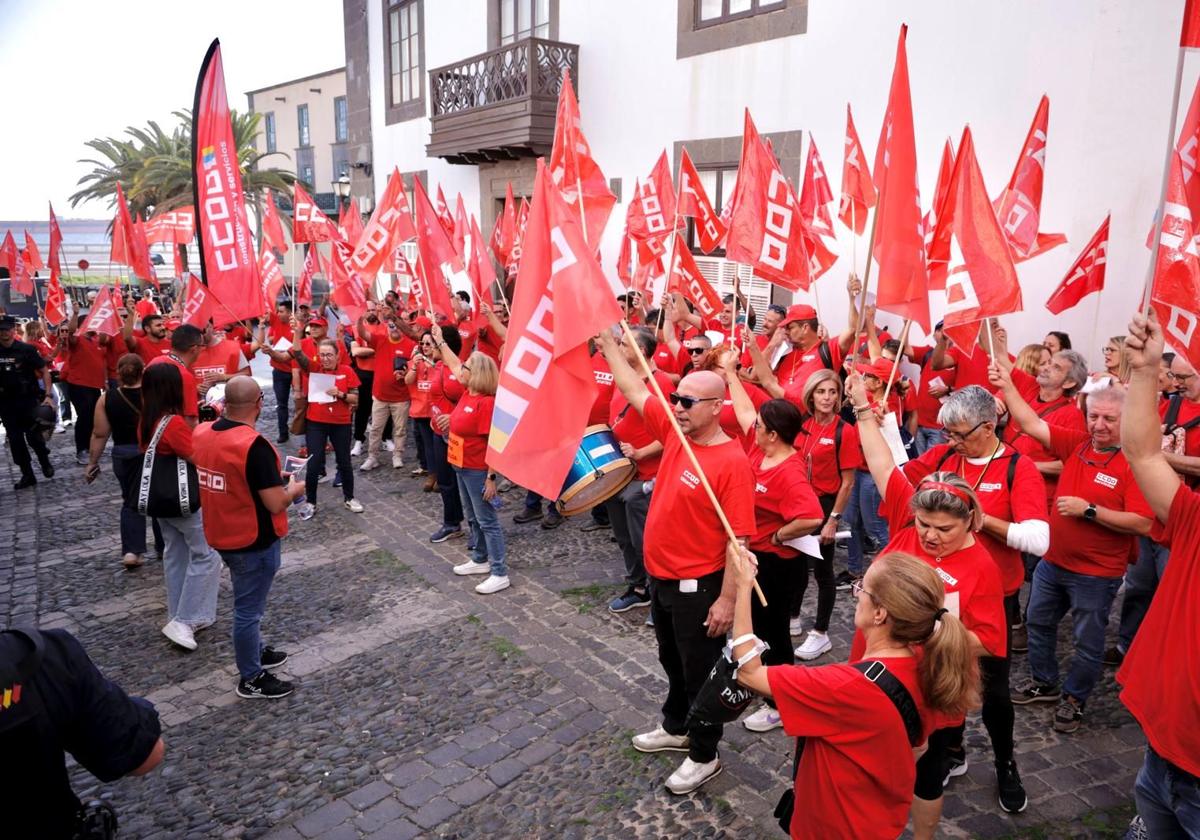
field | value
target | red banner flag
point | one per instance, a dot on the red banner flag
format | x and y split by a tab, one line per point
694	202
228	262
514	257
8	254
309	224
142	266
547	386
858	190
1175	292
121	250
33	257
349	290
1189	35
505	231
272	278
438	259
445	217
1019	206
936	263
21	280
350	224
651	217
988	286
766	230
103	317
686	279
272	227
815	194
390	225
624	260
56	239
573	169
198	304
482	273
56	300
304	283
176	227
1086	274
899	244
458	236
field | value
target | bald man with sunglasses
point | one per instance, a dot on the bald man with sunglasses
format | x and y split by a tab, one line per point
691	599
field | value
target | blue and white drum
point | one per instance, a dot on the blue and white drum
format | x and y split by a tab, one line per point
598	472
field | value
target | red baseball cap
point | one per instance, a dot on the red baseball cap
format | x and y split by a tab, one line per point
799	312
881	368
423	322
318	322
172	323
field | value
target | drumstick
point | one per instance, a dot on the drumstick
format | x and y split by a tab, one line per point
687	446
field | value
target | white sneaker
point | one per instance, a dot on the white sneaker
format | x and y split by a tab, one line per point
659	740
180	634
306	511
354	506
371	463
492	584
764	720
473	568
814	645
691	775
325	479
356	449
390	445
397	461
796	626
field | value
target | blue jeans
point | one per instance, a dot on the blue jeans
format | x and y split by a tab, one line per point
126	466
1168	799
1141	582
927	438
862	517
191	569
1089	598
281	384
251	573
486	533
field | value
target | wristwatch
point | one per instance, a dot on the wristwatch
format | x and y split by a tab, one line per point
1090	513
835	516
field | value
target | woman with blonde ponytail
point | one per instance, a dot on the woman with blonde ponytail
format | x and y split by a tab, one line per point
855	775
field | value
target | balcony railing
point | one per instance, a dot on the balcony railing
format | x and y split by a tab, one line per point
500	104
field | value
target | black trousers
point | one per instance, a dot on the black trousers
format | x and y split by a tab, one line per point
281	384
423	453
447	481
778	577
998	714
687	655
22	435
315	436
83	400
362	411
822	569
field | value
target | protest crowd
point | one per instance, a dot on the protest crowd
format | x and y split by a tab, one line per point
985	485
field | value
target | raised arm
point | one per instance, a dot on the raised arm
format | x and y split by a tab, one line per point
127	330
1018	409
941	360
627	380
874	447
767	379
1141	438
743	406
847	336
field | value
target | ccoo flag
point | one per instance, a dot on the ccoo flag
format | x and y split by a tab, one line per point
228	262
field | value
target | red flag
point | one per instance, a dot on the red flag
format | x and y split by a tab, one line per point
349	291
1086	274
52	258
56	299
309	224
687	279
438	259
228	262
766	230
693	201
505	232
652	213
1175	292
198	304
272	227
445	217
899	245
390	224
430	291
103	317
574	171
937	278
1189	36
272	277
858	190
21	279
122	250
33	257
988	286
815	195
142	266
458	236
547	386
1019	206
350	222
180	268
482	272
8	254
647	277
623	260
118	301
514	257
176	227
304	283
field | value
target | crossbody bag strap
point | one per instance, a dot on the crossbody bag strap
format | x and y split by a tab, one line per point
148	464
877	672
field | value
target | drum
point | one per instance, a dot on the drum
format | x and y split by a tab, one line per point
598	472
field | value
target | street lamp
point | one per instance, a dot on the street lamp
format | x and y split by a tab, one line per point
341	188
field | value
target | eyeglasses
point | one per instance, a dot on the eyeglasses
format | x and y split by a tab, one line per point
1179	377
856	587
961	436
466	368
688	403
1108	349
696	351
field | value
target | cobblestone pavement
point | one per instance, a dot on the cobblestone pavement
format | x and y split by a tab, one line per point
423	709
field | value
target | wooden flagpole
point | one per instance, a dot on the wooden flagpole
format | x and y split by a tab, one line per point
896	363
990	338
1096	319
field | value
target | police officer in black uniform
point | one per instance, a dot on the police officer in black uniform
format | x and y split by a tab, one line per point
53	699
20	368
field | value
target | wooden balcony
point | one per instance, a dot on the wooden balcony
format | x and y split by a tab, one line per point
499	105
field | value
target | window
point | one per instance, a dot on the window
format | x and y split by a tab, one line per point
305	169
269	130
302	125
339	119
521	19
719	182
405	62
710	12
341	163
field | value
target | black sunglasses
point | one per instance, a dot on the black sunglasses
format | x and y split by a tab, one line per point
688	403
696	351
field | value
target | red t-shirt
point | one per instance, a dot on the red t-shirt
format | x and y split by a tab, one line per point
467	333
1159	679
604	390
149	349
824	456
386	388
444	390
729	421
684	538
1191	440
796	367
928	406
224	357
973	589
971	369
781	493
86	364
665	360
277	329
471	420
1104	479
191	401
338	411
419	391
368	362
145	307
856	774
114	349
1026	499
629	427
176	439
488	343
1061	412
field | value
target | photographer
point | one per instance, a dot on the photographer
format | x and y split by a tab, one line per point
390	394
20	369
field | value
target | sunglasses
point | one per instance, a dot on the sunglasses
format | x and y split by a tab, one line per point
688	403
961	436
696	351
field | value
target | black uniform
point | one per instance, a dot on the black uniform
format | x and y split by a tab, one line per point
21	367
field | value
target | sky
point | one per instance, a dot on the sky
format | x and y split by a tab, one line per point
74	70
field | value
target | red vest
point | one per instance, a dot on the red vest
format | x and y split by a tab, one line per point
230	522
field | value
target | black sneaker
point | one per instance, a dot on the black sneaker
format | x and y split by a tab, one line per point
528	515
552	520
1068	716
843	580
1012	793
265	686
272	658
1114	656
47	469
1035	692
26	481
283	438
1020	639
956	765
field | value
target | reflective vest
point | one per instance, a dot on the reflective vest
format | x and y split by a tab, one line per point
230	520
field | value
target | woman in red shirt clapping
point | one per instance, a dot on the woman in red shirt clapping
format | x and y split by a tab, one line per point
329	421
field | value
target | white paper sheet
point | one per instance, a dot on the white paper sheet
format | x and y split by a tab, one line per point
808	544
282	345
318	384
891	433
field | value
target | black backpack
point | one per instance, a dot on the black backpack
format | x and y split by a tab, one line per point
1169	421
1012	464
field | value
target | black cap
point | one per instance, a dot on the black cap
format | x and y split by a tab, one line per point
7	322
